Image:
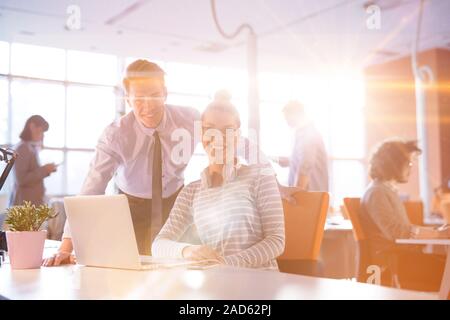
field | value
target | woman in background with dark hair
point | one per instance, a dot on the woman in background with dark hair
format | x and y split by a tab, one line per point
28	173
384	218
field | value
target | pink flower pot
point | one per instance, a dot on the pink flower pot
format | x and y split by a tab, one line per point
25	248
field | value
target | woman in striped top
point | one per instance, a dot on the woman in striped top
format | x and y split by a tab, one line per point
235	209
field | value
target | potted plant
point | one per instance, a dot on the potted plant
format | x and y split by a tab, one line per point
24	239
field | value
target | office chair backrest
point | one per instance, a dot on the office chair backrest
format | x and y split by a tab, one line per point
353	206
304	225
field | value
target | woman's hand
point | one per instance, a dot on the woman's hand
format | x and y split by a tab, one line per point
200	252
63	256
59	258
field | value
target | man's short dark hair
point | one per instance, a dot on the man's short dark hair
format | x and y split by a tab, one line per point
143	69
38	121
390	157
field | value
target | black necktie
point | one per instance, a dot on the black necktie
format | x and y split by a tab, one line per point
156	218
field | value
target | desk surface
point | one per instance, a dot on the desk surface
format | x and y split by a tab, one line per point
442	242
338	225
79	282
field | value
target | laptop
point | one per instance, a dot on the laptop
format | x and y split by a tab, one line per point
103	235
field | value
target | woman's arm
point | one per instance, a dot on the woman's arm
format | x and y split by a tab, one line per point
269	207
180	218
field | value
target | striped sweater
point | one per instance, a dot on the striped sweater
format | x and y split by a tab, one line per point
242	219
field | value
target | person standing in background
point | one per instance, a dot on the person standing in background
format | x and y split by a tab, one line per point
28	174
308	167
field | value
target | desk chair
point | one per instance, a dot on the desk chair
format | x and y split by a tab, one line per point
364	259
304	225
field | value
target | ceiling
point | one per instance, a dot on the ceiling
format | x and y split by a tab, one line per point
293	35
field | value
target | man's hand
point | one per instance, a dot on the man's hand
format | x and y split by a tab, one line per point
287	193
282	161
200	252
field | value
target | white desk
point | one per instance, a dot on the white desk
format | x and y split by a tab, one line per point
79	282
445	283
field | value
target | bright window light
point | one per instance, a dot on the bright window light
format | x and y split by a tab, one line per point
90	67
186	78
348	179
53	183
4	57
77	169
38	62
33	97
3	111
89	111
233	80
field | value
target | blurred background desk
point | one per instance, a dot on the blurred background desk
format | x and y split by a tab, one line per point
444	291
338	250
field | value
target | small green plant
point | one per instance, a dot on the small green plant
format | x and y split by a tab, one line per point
28	217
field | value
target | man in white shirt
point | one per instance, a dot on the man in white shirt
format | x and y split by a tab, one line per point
138	148
308	163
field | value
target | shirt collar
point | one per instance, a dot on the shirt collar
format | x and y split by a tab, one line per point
35	145
160	128
309	124
229	173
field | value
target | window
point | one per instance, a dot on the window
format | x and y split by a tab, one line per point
89	111
4	57
347	140
77	169
54	184
89	67
275	87
3	111
186	78
233	80
38	62
46	99
348	179
59	97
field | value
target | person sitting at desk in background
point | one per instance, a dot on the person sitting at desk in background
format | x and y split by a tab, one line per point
384	217
28	174
308	164
234	208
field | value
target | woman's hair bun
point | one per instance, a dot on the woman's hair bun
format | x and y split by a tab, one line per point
222	96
